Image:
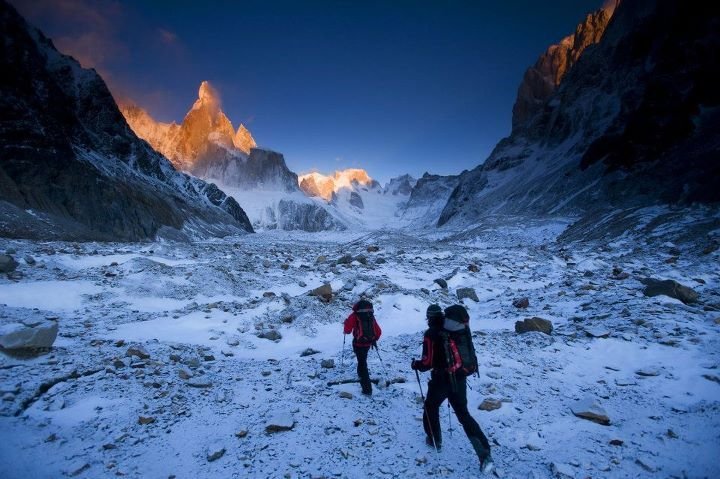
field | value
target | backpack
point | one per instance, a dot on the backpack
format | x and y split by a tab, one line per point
366	332
459	347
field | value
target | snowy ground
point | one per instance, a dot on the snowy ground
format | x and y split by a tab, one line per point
211	384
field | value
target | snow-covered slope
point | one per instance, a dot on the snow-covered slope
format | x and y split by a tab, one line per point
633	123
178	359
71	167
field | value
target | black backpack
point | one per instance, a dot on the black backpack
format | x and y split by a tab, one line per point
367	327
461	339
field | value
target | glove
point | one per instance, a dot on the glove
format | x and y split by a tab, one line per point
414	365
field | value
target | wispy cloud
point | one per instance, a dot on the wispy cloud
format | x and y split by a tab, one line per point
167	37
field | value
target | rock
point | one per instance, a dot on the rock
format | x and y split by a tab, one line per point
467	293
143	420
199	383
7	263
380	260
440	282
711	248
616	442
671	288
324	292
562	471
138	351
346	395
321	259
362	259
648	372
591	410
597	332
266	264
184	374
28	335
281	421
327	363
490	405
232	341
345	259
241	433
118	363
268	294
534	324
215	452
284	266
521	303
373	249
309	352
77	468
10	251
712	377
271	334
29	260
645	464
717	321
474	268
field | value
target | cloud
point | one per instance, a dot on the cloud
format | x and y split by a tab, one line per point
167	37
84	29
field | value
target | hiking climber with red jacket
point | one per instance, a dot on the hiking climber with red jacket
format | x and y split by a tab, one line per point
449	352
366	332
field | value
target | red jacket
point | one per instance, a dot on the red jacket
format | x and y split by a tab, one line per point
352	325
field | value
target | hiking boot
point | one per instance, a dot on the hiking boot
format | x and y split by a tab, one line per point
487	465
434	444
367	392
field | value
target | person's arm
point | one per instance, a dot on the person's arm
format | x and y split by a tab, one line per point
349	324
425	364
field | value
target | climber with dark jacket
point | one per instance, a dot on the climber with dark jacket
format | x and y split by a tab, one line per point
446	353
366	332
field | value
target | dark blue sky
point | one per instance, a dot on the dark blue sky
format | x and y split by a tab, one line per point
393	87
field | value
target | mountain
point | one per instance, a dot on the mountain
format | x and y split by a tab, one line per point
427	199
206	145
633	123
317	184
71	168
543	78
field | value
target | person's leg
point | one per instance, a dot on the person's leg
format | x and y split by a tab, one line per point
436	394
458	401
362	369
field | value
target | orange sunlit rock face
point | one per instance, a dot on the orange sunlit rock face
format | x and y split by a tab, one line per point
204	127
541	80
317	184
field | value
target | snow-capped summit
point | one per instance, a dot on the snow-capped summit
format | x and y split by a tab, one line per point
205	132
317	184
401	185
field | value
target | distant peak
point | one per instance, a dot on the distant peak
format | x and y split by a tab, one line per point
208	94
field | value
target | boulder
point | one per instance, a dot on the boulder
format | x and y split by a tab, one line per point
137	351
373	249
309	352
271	334
671	288
28	335
521	303
346	259
7	263
327	363
467	293
562	471
440	282
281	421
215	452
533	324
29	260
490	404
591	410
323	292
473	268
597	332
346	395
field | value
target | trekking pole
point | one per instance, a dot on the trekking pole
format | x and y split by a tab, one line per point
342	358
449	420
425	414
377	350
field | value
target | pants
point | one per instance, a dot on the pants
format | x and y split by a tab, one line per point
362	368
440	387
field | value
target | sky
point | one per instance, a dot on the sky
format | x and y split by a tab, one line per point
393	86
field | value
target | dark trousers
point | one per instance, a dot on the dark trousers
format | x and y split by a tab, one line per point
440	387
362	368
